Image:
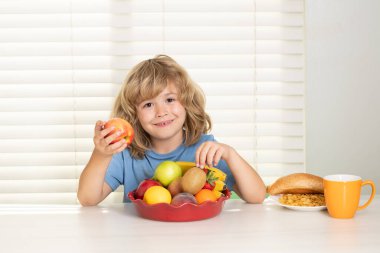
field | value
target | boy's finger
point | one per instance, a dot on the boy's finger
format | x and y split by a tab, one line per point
203	155
218	156
112	137
118	146
210	156
197	152
99	125
106	131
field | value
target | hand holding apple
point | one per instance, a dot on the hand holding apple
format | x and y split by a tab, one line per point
120	125
102	143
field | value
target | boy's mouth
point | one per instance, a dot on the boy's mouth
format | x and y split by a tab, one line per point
163	123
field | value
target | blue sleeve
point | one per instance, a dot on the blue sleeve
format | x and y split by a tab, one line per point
115	172
230	181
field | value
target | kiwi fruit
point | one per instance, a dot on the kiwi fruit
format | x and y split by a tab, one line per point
193	180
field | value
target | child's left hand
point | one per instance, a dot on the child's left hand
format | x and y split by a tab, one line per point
210	152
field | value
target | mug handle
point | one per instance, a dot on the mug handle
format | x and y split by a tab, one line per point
369	182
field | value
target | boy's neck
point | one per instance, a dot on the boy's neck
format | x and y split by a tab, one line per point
166	146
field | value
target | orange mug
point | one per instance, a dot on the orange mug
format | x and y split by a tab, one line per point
342	194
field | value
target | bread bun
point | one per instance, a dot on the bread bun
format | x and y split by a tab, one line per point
297	183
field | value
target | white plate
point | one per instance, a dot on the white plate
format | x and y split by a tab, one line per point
276	200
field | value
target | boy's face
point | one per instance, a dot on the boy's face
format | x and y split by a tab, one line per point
163	117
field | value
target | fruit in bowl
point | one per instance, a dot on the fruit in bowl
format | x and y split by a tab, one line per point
205	195
182	198
157	194
193	180
143	186
173	203
201	184
166	172
184	212
175	186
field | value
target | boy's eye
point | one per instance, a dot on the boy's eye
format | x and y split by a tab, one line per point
147	105
170	100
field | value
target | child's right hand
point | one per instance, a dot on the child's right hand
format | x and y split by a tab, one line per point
102	143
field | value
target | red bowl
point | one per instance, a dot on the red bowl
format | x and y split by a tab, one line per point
184	212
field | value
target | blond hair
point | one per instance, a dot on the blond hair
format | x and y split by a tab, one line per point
147	80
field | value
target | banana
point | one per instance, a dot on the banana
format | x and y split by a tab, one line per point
185	166
218	173
219	185
218	194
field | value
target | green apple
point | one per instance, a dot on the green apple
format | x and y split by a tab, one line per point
166	172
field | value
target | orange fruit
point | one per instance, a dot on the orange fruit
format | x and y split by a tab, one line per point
157	194
205	195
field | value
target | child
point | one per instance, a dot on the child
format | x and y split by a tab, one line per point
167	111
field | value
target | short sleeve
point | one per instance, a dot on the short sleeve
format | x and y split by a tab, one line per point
115	172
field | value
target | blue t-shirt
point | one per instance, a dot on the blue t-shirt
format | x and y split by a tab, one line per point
128	171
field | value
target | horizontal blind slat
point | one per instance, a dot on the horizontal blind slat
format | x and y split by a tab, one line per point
149	34
58	90
38	186
39	172
280	156
127	62
66	198
49	6
52	117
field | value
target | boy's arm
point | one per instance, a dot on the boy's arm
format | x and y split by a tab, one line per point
249	185
92	187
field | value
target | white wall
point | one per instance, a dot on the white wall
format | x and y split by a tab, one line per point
343	88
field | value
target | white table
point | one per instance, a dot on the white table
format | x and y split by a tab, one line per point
240	227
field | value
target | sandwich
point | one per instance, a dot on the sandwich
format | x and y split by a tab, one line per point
302	183
299	189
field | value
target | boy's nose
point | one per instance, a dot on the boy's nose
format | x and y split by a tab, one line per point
161	110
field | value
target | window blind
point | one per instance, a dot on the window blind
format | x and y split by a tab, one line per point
62	62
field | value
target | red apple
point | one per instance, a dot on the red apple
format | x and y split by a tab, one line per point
143	186
123	126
